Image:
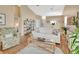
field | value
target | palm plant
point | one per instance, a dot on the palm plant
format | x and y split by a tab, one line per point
75	42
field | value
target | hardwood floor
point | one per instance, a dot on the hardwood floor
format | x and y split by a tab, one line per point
64	44
27	39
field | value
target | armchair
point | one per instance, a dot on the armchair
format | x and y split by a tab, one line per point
9	37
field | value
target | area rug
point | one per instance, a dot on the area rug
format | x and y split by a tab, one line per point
33	49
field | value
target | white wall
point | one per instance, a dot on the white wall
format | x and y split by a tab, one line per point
9	12
59	21
71	10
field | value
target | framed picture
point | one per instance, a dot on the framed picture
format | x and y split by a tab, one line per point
2	19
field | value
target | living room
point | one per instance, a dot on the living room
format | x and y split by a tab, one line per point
36	29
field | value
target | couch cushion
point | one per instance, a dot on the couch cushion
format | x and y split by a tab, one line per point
45	30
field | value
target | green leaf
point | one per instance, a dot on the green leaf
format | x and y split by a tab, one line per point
74	41
72	36
76	50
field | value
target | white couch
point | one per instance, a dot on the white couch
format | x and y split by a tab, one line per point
46	33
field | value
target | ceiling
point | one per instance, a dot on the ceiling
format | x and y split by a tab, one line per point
47	10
